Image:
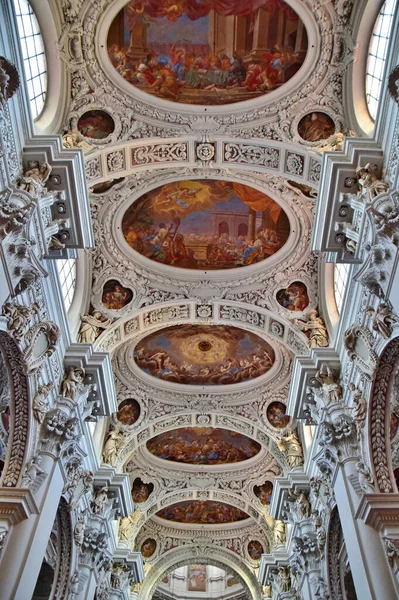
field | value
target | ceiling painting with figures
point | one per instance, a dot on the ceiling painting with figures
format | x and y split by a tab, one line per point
204	355
201	52
205	512
205	224
203	446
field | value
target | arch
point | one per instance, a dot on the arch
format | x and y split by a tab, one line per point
242	229
194	555
223	228
378	418
20	408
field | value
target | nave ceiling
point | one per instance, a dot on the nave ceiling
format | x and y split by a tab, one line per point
202	202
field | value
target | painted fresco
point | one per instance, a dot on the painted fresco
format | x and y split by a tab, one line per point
264	492
232	581
196	578
276	415
128	412
148	547
201	52
203	446
204	355
104	186
204	512
205	225
141	491
316	126
115	296
96	124
255	550
393	425
294	297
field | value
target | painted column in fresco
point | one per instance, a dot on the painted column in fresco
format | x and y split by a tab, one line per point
261	34
370	570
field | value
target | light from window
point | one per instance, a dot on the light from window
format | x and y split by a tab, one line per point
33	55
377	56
341	273
67	274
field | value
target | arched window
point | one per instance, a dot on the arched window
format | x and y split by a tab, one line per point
341	273
377	56
33	55
67	273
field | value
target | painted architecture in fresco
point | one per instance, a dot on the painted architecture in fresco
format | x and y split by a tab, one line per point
205	512
204	355
205	225
203	446
197	52
196	578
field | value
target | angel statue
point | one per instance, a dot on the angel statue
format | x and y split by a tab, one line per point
318	336
291	447
73	383
91	326
111	447
126	526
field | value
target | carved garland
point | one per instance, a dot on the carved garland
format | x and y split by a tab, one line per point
334	546
379	426
20	410
65	551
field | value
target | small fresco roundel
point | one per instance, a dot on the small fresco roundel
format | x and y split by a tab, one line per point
201	52
264	492
148	547
276	415
141	491
205	225
294	297
115	296
316	126
255	550
204	355
128	412
96	124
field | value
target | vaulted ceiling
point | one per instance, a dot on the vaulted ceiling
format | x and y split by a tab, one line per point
207	122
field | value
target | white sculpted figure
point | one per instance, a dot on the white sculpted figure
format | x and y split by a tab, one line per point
359	409
278	530
40	403
126	526
100	500
18	317
74	139
34	180
111	447
318	336
290	445
32	471
301	503
382	319
73	383
284	579
369	182
91	325
330	384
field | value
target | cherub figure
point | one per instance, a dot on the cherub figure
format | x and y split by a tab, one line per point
382	319
34	180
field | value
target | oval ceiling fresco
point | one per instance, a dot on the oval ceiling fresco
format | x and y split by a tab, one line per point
204	512
203	446
204	355
207	51
205	224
